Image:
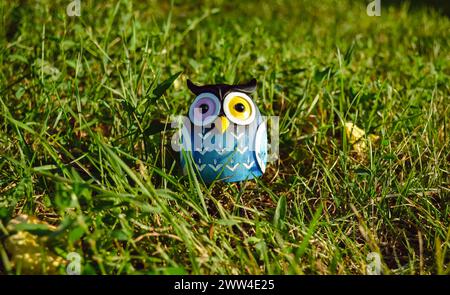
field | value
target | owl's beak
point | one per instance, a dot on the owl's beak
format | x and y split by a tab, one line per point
222	124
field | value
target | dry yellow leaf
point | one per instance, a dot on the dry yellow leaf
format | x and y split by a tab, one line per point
29	253
358	140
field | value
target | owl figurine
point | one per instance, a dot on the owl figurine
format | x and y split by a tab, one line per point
225	135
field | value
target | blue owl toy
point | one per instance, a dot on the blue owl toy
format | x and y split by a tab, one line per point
224	135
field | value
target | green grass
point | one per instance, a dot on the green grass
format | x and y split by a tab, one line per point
82	146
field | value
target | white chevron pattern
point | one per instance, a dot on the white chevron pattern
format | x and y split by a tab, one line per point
204	136
249	165
237	136
215	168
232	168
200	166
242	150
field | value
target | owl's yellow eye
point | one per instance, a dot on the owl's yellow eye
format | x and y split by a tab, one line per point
239	108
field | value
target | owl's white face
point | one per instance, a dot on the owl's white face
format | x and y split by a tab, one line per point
237	108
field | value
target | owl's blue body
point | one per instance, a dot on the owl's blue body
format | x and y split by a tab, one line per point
242	162
225	136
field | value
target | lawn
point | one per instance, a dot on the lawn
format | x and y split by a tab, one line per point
87	169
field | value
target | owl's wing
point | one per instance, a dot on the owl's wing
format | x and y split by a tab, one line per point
261	146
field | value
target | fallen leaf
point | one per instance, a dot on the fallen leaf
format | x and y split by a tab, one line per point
358	139
29	252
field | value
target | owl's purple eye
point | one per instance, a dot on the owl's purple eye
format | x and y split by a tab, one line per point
206	106
204	109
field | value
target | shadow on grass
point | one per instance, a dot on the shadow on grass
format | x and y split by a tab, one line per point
441	6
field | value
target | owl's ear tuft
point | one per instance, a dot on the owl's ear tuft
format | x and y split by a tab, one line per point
248	87
194	88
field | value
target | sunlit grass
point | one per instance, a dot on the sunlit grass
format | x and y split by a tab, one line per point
85	136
